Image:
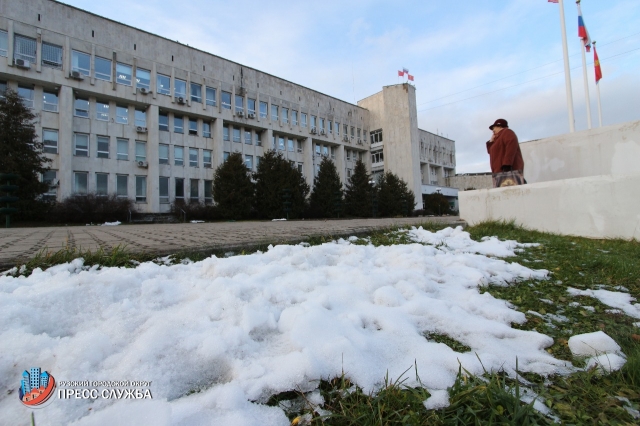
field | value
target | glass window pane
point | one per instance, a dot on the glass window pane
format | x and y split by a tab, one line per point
24	48
141	151
81	62
181	89
263	109
179	187
163	121
251	106
50	140
163	153
163	83
51	55
4	43
81	108
103	69
123	149
140	118
196	92
164	189
102	111
239	103
122	184
80	181
236	134
193	192
141	188
211	96
124	74
178	124
50	101
248	161
274	112
178	155
193	126
102	180
206	129
193	157
225	134
206	158
103	146
81	148
226	100
143	78
247	137
122	114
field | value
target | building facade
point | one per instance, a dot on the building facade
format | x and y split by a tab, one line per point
124	111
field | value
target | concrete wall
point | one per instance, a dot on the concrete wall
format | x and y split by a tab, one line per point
608	150
475	180
595	206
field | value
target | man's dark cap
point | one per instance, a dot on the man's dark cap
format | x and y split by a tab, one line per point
500	122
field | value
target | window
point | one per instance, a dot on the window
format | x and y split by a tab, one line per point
239	103
102	148
236	134
124	74
193	127
122	185
377	157
318	149
81	62
206	158
211	96
141	189
196	92
163	84
49	177
299	146
102	111
226	100
281	143
27	95
263	109
51	55
258	139
180	90
352	132
325	151
80	182
208	191
122	149
50	141
225	134
376	136
358	133
285	115
348	154
274	112
248	161
141	151
122	114
247	137
193	190
4	43
193	157
314	121
348	173
300	166
329	127
178	124
178	155
102	183
143	78
81	145
102	69
337	128
81	108
50	101
206	129
290	145
346	130
164	190
303	119
333	152
163	154
24	48
322	124
163	121
294	118
179	188
3	89
225	156
251	106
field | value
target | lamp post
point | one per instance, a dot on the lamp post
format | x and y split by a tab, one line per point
439	192
374	203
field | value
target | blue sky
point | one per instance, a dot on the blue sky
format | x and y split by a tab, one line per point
473	61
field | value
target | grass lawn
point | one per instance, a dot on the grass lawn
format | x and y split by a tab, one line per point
584	397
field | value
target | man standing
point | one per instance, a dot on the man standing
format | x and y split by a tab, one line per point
507	165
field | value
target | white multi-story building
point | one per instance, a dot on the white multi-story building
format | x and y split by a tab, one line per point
124	111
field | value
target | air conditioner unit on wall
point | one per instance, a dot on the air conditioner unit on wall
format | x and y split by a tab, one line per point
313	131
143	164
322	132
251	115
180	100
144	90
240	113
346	138
141	129
21	63
77	75
55	182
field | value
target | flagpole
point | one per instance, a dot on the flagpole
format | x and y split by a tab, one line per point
586	78
598	92
567	72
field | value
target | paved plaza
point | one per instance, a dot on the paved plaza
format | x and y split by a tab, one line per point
19	244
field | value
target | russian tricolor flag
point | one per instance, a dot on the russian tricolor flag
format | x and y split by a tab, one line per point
582	30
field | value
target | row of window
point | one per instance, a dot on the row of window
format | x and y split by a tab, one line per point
25	48
81	186
179	122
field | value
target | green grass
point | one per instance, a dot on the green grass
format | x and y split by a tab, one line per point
585	397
